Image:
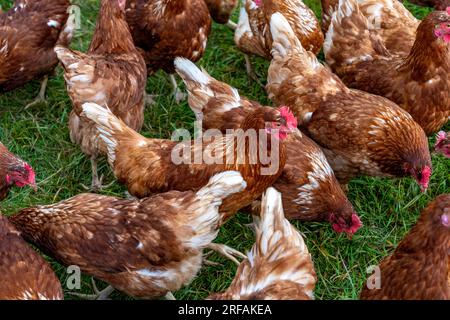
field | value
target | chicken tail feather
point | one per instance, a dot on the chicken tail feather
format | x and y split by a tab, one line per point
349	31
112	130
66	56
206	218
202	88
285	43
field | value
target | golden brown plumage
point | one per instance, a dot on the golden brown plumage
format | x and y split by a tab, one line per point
309	188
360	133
29	32
389	19
156	165
279	266
417	80
144	248
24	274
13	171
418	269
112	73
253	35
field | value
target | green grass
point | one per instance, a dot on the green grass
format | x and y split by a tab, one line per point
40	135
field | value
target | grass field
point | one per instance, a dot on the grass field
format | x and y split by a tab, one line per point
388	208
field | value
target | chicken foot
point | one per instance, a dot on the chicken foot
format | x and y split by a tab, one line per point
251	73
232	25
41	95
98	295
150	99
178	94
96	184
227	252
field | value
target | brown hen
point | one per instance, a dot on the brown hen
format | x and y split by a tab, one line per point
416	80
29	31
145	248
419	267
166	29
279	266
309	188
24	274
112	73
360	133
14	171
147	165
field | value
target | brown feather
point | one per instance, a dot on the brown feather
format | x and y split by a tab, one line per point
418	269
25	274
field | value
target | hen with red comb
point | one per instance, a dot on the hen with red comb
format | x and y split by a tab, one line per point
14	171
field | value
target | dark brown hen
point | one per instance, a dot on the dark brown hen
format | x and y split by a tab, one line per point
24	274
145	248
166	29
419	267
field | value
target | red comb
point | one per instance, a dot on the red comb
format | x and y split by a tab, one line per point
258	2
31	176
426	174
287	114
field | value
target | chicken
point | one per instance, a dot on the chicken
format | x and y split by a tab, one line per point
443	143
360	133
252	35
279	266
395	25
14	171
417	81
166	29
145	248
147	166
418	269
221	11
112	73
309	188
437	4
25	275
28	34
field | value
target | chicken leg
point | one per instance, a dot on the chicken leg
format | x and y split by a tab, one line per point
179	95
41	96
96	184
98	295
227	252
232	25
251	73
